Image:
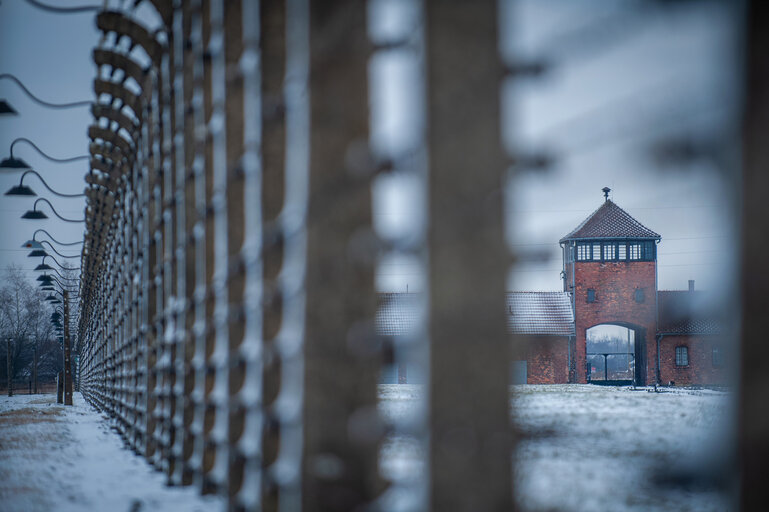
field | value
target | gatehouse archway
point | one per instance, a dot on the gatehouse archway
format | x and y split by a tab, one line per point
614	354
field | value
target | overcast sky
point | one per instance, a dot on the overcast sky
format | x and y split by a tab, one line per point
51	55
623	76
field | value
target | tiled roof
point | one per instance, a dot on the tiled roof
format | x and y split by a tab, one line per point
396	313
685	312
532	313
540	313
610	221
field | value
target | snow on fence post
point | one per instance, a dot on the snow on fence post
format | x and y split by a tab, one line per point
470	455
184	202
67	352
166	231
270	41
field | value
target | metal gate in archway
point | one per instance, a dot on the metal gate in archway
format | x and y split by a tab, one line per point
611	355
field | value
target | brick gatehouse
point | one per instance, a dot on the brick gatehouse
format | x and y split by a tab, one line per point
609	325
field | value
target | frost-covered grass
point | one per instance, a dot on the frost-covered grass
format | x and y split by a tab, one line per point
586	447
582	448
68	459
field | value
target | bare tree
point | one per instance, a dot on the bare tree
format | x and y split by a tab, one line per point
25	324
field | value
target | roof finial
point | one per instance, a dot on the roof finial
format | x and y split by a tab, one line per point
606	191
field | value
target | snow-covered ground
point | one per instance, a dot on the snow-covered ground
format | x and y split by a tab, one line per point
587	447
68	459
582	448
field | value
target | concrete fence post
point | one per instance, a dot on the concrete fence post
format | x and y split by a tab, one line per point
470	452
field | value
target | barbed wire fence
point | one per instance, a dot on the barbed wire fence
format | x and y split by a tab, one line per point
228	302
227	314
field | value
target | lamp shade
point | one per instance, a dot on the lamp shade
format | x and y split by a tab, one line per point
20	190
44	266
14	163
45	278
34	214
37	253
50	297
7	109
31	244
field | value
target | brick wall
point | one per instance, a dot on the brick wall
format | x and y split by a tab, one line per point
547	360
700	370
615	284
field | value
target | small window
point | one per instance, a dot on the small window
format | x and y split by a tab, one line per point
596	251
591	295
609	252
622	249
638	295
682	356
718	357
648	248
634	251
583	252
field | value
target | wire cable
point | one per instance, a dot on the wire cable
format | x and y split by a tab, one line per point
44	103
21	182
52	238
34	208
49	157
64	10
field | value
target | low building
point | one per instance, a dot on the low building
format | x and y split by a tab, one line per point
609	325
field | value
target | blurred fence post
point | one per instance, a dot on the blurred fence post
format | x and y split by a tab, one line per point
9	365
67	352
272	45
341	422
470	453
34	367
754	385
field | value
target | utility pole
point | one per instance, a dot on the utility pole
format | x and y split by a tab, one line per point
9	360
67	354
34	367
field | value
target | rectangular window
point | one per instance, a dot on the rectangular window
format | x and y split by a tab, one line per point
596	251
591	295
583	252
718	357
634	251
682	356
609	252
622	249
639	295
648	251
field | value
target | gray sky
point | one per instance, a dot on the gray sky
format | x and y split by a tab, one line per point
625	74
626	78
51	55
636	76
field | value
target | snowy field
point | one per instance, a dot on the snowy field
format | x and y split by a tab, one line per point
68	459
583	448
586	447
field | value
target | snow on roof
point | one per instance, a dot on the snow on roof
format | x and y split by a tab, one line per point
396	313
685	312
540	313
610	221
531	313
